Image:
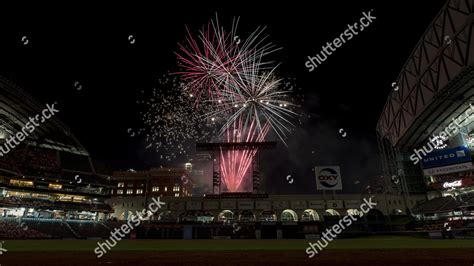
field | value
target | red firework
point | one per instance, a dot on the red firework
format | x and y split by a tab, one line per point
208	63
218	69
235	164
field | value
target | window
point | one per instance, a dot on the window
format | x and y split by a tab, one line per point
129	191
139	191
121	184
130	185
155	189
176	194
119	191
55	186
389	202
21	183
176	188
166	189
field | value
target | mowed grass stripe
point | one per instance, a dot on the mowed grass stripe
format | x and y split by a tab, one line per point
234	245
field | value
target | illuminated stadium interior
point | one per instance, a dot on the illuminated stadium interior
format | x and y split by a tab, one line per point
49	174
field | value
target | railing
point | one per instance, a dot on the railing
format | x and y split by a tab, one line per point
72	230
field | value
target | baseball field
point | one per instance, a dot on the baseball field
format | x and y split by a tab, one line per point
360	251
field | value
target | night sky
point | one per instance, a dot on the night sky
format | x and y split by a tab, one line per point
90	45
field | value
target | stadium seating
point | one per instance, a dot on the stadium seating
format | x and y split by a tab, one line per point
441	204
11	229
54	228
89	229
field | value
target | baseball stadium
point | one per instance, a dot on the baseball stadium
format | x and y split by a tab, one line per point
61	206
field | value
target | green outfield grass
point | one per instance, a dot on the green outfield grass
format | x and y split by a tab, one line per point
235	245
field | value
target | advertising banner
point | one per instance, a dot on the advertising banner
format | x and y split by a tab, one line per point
328	178
452	156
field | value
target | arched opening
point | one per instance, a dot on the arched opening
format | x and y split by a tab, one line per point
331	212
226	216
375	220
375	215
353	212
310	215
289	216
247	216
268	216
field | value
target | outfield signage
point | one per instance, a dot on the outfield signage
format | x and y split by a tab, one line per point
465	182
177	206
448	169
456	183
193	206
452	156
211	205
263	205
317	204
281	204
328	178
298	204
245	205
352	204
228	205
334	204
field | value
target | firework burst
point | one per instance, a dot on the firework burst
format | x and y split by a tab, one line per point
240	85
211	61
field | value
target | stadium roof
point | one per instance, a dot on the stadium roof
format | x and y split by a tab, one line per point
436	78
17	106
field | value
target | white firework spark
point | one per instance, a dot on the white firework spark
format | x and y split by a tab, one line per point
171	124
